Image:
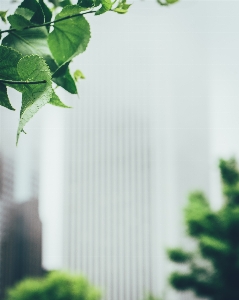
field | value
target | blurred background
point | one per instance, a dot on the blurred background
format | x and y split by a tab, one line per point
99	189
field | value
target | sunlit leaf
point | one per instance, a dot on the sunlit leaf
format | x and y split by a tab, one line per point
25	12
70	37
31	41
106	6
3	16
34	96
55	100
122	7
18	22
65	3
171	1
78	75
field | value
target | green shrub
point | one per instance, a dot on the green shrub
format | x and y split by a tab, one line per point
55	286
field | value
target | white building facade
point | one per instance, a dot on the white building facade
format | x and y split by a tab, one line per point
136	143
157	109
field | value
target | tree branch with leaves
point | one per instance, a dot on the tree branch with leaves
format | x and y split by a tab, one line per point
37	49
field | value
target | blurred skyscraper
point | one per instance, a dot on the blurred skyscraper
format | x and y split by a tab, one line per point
20	230
21	246
6	198
160	101
20	227
133	150
108	202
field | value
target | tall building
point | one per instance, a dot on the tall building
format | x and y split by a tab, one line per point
134	149
20	231
6	198
20	244
20	228
108	204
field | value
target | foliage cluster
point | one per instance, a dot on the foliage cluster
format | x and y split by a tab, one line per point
213	270
151	297
55	286
37	49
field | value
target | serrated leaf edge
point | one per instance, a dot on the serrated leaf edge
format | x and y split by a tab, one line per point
20	128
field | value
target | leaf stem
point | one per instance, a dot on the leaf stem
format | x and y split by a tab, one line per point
21	82
50	22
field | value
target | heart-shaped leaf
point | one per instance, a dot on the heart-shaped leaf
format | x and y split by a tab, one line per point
31	41
34	96
70	37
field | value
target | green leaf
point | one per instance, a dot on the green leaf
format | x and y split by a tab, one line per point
69	37
179	255
171	1
4	100
25	12
121	10
65	3
55	100
78	75
54	2
213	247
61	71
18	22
181	281
31	41
34	96
106	6
3	16
47	12
122	7
9	59
34	6
67	82
86	3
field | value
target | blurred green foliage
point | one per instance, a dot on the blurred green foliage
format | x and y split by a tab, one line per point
55	286
151	297
213	269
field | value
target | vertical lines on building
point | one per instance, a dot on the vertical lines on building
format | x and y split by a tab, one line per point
107	199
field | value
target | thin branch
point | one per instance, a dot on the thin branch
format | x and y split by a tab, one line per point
49	23
21	82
